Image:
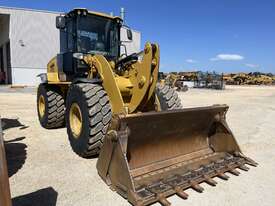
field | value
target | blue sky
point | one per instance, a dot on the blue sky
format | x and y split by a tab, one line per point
221	35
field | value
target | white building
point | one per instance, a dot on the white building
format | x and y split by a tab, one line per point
28	40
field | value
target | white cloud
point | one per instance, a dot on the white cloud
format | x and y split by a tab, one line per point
190	61
227	57
252	65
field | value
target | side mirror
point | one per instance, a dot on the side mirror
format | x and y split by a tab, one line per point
60	22
129	34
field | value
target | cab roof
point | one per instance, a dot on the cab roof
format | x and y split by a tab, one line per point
86	11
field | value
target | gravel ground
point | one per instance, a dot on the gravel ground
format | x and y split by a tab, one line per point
51	174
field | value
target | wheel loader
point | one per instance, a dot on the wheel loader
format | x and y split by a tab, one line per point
149	147
174	81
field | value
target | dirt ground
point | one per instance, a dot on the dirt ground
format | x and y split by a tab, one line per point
47	172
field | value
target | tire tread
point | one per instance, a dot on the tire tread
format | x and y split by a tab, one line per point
168	97
56	107
100	115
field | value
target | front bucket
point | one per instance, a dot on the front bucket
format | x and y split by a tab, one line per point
149	156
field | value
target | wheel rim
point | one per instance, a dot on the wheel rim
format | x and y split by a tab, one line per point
41	106
75	120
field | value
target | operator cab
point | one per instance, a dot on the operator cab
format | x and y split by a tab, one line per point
85	32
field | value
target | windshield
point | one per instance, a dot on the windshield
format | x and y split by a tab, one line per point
98	35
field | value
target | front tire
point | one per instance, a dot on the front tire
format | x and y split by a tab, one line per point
50	106
168	97
88	116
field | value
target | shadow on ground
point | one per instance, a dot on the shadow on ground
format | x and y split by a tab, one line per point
43	197
16	155
8	123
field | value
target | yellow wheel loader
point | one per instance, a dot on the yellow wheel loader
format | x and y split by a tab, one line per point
174	81
149	147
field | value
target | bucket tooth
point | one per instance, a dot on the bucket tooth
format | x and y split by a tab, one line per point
223	176
254	164
243	167
234	172
248	161
163	201
210	181
251	162
196	187
181	193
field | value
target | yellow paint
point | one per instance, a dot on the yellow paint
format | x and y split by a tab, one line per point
109	83
75	118
103	15
158	107
144	78
41	106
52	71
125	85
129	90
154	71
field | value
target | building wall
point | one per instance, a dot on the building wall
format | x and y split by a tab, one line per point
34	40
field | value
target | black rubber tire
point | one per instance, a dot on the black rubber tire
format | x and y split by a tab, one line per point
168	97
54	116
96	117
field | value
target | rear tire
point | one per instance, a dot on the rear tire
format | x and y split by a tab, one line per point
168	97
93	119
50	106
